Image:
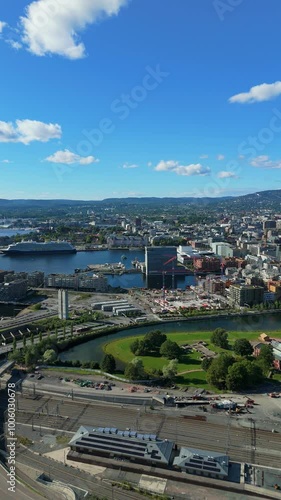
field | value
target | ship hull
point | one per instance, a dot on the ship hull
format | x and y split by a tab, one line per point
38	253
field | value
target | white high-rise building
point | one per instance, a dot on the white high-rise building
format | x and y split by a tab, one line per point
63	304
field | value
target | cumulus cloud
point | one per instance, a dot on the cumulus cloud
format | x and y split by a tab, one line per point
220	157
68	158
2	26
259	93
52	27
187	170
224	174
264	161
203	157
6	161
128	165
27	131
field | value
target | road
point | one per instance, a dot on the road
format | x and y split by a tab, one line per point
21	491
243	444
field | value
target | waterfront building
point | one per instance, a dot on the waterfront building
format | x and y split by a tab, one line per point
241	295
77	282
13	291
123	241
160	260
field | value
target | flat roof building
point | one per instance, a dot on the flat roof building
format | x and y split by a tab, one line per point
131	445
202	462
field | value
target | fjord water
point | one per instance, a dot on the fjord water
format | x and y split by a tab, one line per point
65	264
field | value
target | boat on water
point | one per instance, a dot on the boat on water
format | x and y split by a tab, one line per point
35	248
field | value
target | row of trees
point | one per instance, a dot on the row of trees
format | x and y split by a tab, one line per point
135	371
241	347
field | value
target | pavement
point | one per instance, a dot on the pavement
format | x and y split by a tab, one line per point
21	491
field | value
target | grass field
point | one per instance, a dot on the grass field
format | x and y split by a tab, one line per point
120	349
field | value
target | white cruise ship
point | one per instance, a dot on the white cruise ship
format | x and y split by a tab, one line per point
34	248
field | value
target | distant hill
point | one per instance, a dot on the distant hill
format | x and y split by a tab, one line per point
268	199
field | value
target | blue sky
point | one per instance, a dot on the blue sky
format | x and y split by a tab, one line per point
147	98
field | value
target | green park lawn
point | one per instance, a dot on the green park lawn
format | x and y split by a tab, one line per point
120	349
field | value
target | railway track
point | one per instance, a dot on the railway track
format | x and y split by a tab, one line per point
75	477
243	444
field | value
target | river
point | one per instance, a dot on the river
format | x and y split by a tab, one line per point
65	264
93	349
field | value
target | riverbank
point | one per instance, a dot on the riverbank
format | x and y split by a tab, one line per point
246	326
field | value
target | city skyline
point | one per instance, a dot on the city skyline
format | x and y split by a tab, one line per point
117	98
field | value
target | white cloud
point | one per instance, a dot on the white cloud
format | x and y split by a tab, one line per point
187	170
52	27
2	26
128	165
264	161
220	157
26	131
68	158
6	161
224	174
259	93
14	45
203	157
150	164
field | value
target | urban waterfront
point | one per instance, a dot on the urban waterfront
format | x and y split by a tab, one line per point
93	349
66	264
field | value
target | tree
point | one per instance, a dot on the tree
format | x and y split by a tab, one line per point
134	346
135	370
14	343
265	358
71	330
237	377
64	332
24	341
218	371
30	356
108	363
170	371
154	340
243	374
242	347
49	356
150	344
206	363
16	356
220	338
40	336
170	350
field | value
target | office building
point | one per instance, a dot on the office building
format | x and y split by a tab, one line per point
160	259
